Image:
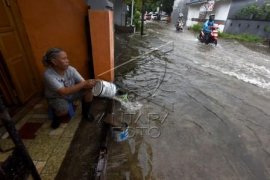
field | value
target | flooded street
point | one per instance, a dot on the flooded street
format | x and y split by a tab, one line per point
194	111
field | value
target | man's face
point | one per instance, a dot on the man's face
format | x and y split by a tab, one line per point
61	61
211	18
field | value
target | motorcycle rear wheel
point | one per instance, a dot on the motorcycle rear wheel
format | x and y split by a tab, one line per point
200	37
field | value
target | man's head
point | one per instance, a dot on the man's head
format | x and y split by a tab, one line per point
57	58
211	17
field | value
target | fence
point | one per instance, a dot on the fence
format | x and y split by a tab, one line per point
259	28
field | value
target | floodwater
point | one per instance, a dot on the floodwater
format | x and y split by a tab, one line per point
194	111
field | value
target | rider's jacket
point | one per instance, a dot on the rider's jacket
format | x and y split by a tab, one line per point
206	26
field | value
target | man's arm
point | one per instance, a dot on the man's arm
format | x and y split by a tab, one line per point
206	27
88	84
80	83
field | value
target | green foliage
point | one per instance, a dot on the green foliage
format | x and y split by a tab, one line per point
137	3
196	27
267	28
137	12
151	5
266	10
137	20
255	12
167	6
241	37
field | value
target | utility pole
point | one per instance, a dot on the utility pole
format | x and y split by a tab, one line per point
160	11
132	7
142	18
161	4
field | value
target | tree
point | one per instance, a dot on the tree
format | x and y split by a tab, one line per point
138	3
266	10
255	12
167	6
151	5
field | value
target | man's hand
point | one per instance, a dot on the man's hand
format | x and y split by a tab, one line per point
89	83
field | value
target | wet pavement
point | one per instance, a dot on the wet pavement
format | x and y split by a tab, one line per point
194	111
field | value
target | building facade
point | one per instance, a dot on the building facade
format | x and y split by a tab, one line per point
199	10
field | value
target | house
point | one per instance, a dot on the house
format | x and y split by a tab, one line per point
29	27
199	10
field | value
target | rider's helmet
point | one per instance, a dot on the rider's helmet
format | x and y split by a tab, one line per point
211	17
181	14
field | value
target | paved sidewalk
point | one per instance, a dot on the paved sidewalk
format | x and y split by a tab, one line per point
48	148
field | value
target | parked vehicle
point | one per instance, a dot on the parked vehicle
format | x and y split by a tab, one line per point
213	36
147	17
164	17
154	16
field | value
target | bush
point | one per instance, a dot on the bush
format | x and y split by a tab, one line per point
267	28
137	20
255	12
196	27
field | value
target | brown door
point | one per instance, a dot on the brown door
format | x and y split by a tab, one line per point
6	86
14	54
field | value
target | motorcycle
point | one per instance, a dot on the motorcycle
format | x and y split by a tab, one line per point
179	26
213	36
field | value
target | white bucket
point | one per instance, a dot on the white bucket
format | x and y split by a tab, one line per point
104	89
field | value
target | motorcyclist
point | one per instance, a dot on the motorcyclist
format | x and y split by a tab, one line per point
180	21
180	15
207	26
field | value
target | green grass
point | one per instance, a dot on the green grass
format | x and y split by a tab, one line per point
241	37
196	27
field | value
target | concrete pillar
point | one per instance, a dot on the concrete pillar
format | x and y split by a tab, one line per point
102	37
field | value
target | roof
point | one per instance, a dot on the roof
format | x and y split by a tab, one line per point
194	2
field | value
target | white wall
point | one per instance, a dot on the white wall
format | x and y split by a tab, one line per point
193	12
221	11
